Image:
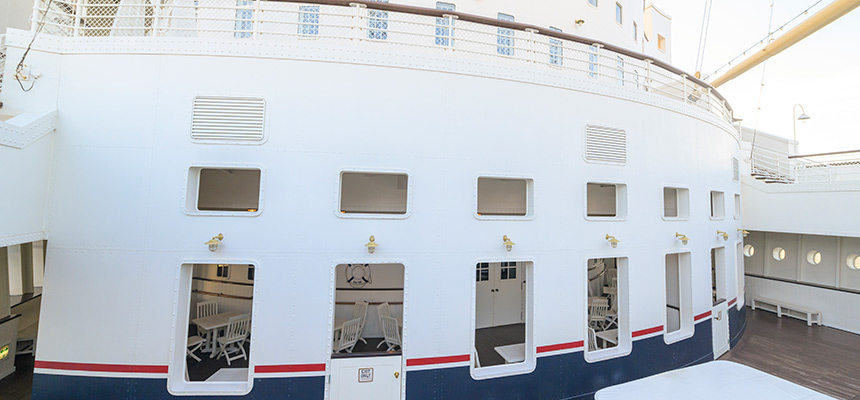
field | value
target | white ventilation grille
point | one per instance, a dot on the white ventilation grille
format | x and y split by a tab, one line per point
230	119
736	171
603	144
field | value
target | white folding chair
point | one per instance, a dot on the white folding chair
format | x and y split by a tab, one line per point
194	344
391	333
383	310
597	308
348	336
359	310
206	309
235	334
592	339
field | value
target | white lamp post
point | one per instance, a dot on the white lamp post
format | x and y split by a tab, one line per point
802	118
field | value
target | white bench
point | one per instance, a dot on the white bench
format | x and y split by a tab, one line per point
782	308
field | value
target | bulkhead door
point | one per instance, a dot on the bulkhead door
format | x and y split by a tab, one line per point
720	325
366	378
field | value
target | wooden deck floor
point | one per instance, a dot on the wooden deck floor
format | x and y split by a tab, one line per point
823	359
820	358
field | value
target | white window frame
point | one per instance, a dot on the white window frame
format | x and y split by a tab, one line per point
679	195
625	335
527	366
661	38
192	186
176	383
620	200
737	205
530	199
688	325
373	215
711	214
635	32
619	14
592	3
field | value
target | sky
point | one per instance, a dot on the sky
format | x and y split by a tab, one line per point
821	73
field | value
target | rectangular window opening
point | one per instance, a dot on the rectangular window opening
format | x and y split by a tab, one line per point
737	206
511	197
377	23
219	190
593	2
244	19
618	13
676	203
661	43
606	200
373	193
635	32
606	321
216	321
505	37
444	25
679	311
502	330
309	18
718	205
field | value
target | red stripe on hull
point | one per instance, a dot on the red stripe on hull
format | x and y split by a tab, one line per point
560	346
733	301
702	315
145	369
436	360
271	369
648	331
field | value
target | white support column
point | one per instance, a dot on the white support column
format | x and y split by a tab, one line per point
27	267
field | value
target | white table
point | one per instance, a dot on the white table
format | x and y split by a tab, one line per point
212	323
512	353
716	380
609	335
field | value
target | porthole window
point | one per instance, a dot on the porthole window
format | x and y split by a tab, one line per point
813	257
854	262
779	254
749	250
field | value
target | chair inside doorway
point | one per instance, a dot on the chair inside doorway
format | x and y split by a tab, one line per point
368	310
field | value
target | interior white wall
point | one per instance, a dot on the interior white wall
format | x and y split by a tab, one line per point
15	281
238	273
15	14
673	293
602	200
838	309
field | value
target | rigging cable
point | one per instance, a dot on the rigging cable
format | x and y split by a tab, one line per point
19	69
761	88
703	37
768	38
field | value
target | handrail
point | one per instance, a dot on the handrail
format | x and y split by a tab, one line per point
826	154
365	21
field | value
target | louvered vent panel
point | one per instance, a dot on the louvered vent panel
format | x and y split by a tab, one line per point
736	172
228	119
603	144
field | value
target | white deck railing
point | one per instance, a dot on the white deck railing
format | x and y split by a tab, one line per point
285	21
780	167
2	59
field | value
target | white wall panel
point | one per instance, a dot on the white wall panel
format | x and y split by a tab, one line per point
825	272
787	268
838	308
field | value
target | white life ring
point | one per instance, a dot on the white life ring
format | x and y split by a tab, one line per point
358	275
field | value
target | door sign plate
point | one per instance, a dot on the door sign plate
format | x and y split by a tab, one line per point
365	375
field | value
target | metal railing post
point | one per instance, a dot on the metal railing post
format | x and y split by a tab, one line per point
684	83
156	20
531	46
256	20
358	19
648	75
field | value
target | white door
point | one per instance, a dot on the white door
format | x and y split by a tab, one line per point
508	300
720	325
365	378
484	291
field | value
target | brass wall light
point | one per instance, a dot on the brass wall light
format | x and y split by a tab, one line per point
612	240
371	245
509	245
743	232
579	22
724	235
214	242
683	238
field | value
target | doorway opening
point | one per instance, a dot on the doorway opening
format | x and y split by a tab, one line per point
679	297
607	330
718	275
502	315
219	322
368	310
